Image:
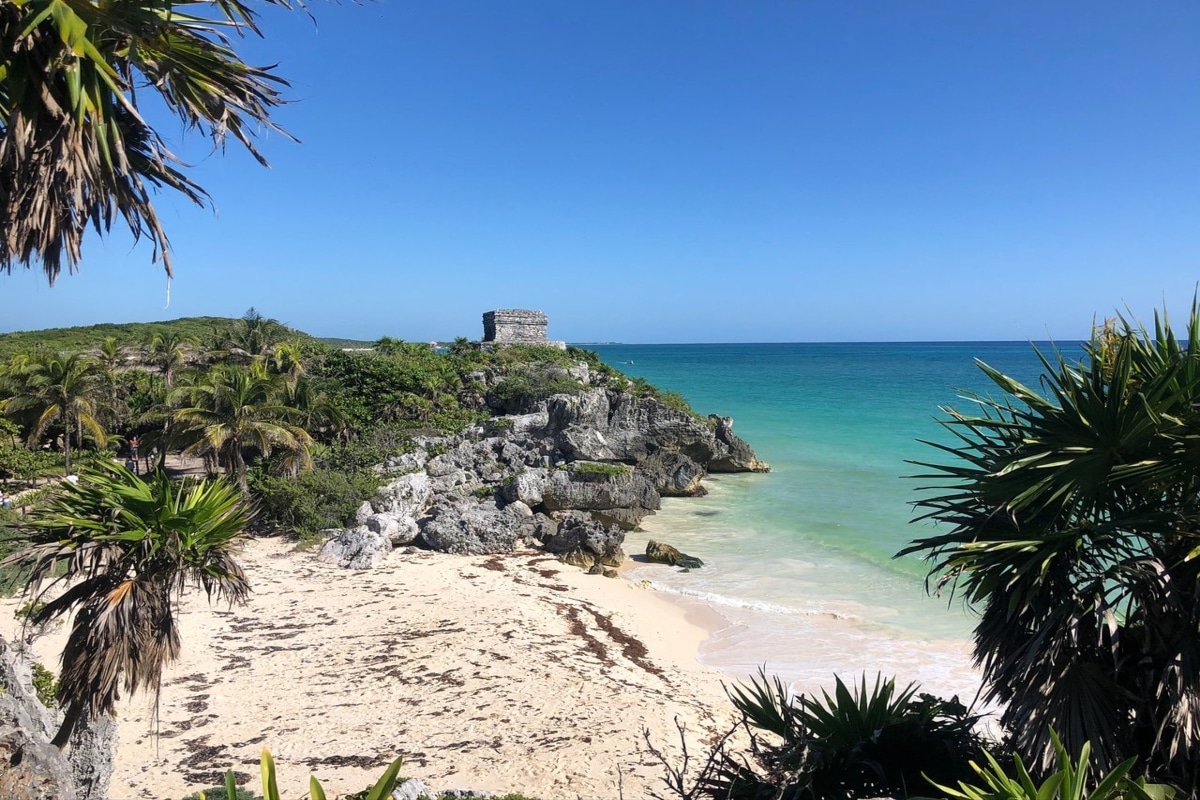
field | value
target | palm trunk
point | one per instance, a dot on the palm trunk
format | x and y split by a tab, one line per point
239	464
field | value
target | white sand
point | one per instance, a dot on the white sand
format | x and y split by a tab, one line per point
513	673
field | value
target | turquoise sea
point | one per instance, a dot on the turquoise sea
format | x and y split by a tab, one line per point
800	561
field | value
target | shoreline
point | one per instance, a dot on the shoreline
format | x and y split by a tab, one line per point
512	673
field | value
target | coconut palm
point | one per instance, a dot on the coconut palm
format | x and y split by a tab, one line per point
75	150
63	389
1074	520
235	410
254	336
168	350
118	552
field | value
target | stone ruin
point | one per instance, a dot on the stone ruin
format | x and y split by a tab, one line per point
516	326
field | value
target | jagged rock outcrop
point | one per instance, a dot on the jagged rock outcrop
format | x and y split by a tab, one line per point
586	543
357	548
674	474
661	553
736	455
613	493
476	528
396	506
30	767
567	474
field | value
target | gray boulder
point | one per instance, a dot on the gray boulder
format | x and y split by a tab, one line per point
475	528
674	474
666	554
526	487
614	491
584	542
733	454
406	496
357	548
30	767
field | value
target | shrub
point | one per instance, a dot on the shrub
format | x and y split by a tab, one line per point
1070	781
45	685
522	389
314	500
859	742
382	790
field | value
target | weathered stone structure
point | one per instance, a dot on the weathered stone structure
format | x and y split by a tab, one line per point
516	326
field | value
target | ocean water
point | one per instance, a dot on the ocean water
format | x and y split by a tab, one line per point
799	562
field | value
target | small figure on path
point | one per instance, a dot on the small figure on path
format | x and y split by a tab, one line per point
133	447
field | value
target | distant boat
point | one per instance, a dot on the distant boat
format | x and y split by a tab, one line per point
626	362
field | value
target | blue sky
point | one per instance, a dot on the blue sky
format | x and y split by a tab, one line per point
690	170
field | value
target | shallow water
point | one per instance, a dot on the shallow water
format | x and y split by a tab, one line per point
800	561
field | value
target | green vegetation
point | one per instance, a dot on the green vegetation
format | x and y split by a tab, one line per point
524	387
90	338
45	685
126	548
74	82
1072	780
857	743
312	501
1074	529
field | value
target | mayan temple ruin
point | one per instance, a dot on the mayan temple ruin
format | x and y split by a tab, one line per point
516	326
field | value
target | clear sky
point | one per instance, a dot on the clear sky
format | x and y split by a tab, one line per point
691	170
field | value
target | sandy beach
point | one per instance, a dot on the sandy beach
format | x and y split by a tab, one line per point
502	673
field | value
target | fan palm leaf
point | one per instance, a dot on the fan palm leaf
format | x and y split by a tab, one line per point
119	552
1074	519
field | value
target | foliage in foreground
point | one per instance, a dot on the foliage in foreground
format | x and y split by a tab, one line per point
1072	780
117	552
1074	518
861	741
381	790
75	150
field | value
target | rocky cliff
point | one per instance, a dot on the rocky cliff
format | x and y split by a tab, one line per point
571	476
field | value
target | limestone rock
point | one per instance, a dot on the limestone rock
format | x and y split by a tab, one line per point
357	548
624	496
30	767
406	496
414	789
474	528
526	487
666	554
674	474
32	770
584	542
734	455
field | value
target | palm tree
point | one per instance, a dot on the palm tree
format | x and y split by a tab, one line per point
1075	532
168	350
254	336
75	150
234	410
59	388
119	552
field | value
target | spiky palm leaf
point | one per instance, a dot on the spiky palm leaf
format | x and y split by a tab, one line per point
235	410
58	389
74	148
1075	523
119	552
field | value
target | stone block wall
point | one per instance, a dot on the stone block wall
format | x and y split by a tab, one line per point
514	326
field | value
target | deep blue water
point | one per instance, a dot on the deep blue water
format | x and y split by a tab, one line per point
801	559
